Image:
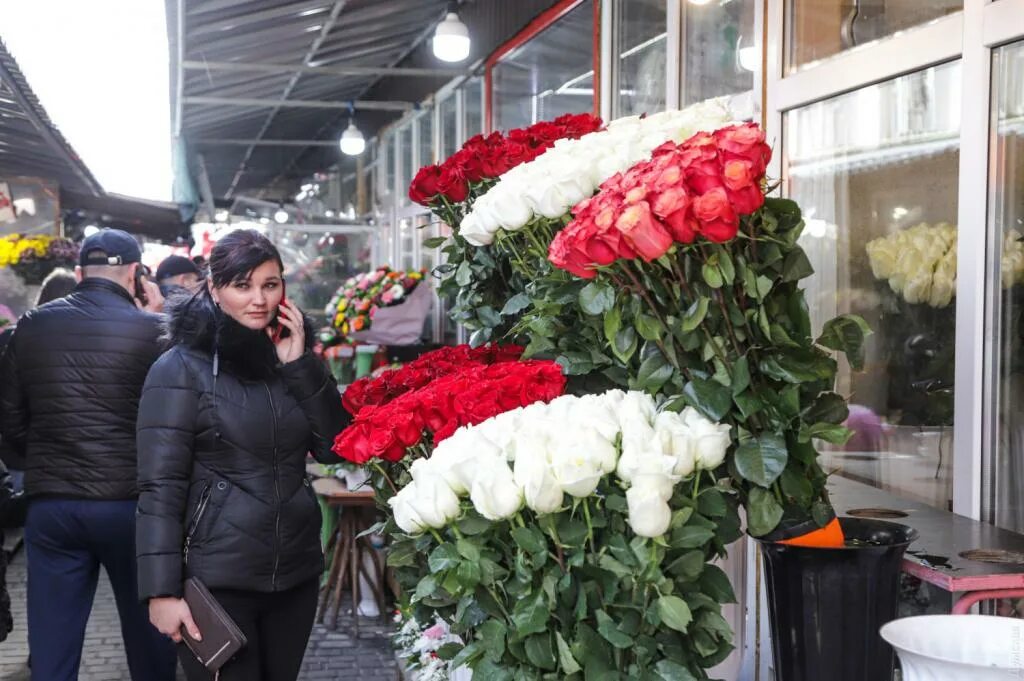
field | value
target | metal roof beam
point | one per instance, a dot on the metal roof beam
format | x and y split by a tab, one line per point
265	143
325	30
297	10
368	105
379	71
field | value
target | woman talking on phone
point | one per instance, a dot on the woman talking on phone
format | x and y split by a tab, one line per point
227	416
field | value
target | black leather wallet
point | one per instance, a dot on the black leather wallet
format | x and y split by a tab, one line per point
221	636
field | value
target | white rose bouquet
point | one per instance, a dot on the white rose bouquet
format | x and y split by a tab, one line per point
919	262
573	536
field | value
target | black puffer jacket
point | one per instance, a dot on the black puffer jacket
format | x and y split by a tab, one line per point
70	381
223	491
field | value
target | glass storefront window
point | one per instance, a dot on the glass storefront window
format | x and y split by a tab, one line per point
315	262
641	43
1006	216
720	54
817	29
426	132
448	112
407	235
386	168
876	172
405	169
474	95
551	74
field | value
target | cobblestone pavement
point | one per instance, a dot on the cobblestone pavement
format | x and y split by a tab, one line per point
330	655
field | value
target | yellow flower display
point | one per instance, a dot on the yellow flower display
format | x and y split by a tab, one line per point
16	246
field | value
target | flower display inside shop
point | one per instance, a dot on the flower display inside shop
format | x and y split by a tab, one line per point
468	395
381	389
356	302
33	257
919	262
571	539
483	159
573	169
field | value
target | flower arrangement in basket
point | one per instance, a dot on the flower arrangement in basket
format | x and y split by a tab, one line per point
33	257
357	301
421	646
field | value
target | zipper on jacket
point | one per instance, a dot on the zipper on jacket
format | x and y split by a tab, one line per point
204	500
277	496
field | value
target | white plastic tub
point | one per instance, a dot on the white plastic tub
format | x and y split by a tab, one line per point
958	647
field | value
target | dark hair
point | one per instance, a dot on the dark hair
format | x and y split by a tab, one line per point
58	283
238	253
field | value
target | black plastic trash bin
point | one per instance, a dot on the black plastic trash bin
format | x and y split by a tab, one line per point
826	605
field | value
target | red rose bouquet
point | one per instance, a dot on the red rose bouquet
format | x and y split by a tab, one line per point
379	390
698	188
486	158
470	395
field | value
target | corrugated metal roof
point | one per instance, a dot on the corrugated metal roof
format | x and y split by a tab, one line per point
315	33
30	144
284	32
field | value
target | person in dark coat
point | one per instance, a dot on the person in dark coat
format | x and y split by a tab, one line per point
227	417
177	274
6	501
70	381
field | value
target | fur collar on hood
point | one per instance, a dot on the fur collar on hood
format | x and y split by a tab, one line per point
195	322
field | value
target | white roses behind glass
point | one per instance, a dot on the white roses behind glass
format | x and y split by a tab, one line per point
537	455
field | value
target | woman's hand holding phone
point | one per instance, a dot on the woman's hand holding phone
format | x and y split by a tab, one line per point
289	346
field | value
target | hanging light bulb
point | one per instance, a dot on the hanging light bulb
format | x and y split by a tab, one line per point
352	142
281	216
451	39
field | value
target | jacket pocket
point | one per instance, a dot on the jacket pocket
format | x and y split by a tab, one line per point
211	503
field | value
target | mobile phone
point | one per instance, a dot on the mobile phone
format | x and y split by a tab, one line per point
280	330
140	290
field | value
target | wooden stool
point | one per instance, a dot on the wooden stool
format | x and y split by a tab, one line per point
355	513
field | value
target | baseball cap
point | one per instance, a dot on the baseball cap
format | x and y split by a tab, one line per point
109	247
174	265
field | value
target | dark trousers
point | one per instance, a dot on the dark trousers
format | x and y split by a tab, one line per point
67	540
276	627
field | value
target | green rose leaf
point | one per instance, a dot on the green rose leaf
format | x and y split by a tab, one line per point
625	344
762	460
687	566
530	615
516	304
653	374
763	512
434	241
715	583
529	539
796	266
648	327
464	274
540	652
673	671
442	558
492	638
612	324
710	398
695	314
674	613
610	632
425	588
565	658
691	536
597	298
828	408
712	275
402	554
846	334
829	432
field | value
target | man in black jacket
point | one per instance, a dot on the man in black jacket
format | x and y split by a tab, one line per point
70	381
